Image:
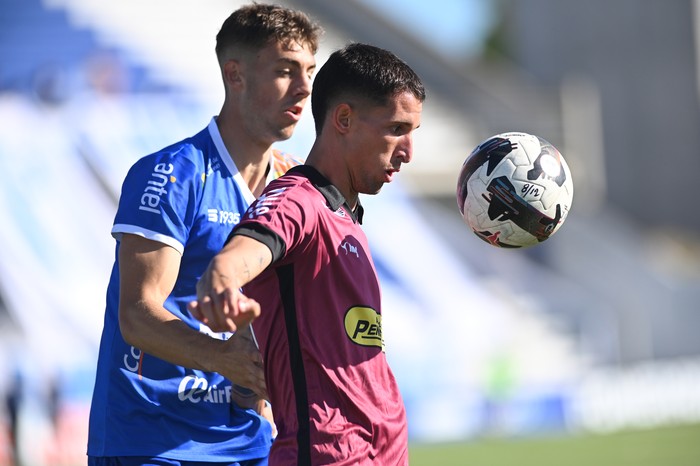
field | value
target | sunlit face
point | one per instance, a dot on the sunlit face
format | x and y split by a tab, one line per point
382	141
277	83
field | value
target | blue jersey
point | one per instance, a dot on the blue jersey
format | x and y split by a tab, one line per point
188	196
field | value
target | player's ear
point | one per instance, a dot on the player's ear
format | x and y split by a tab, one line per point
342	117
232	73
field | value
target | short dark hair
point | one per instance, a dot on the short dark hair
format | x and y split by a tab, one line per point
255	26
364	71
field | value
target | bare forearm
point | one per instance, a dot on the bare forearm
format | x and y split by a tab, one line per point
240	261
157	332
220	304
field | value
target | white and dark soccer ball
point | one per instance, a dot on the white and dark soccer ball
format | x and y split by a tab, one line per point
514	190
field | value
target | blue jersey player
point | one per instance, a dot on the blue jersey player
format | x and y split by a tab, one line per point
168	389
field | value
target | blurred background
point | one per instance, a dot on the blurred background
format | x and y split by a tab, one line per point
596	330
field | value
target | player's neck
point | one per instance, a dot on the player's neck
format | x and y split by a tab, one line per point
251	157
253	169
255	175
334	171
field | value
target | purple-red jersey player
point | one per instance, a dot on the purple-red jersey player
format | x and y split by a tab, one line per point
306	272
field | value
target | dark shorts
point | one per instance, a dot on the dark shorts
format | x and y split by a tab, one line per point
149	461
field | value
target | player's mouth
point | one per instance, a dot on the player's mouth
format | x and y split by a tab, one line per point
294	112
389	174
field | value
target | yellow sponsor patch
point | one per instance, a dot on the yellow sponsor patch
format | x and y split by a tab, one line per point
364	326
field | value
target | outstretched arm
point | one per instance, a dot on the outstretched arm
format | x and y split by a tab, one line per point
220	303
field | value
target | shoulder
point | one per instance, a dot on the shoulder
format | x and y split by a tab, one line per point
184	157
287	194
295	180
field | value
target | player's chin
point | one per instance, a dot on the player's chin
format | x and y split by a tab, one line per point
374	189
285	133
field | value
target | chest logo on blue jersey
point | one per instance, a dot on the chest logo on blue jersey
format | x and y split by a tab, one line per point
155	187
223	217
363	326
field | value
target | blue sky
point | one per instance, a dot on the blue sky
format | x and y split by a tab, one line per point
454	27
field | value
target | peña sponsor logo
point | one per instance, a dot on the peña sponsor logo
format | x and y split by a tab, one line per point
364	326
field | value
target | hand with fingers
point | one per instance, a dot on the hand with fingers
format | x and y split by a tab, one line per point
242	363
220	303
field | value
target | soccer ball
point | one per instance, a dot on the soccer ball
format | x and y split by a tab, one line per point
514	190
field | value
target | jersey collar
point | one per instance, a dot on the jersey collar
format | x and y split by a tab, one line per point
227	160
332	194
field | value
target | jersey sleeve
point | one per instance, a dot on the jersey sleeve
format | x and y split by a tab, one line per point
159	198
280	218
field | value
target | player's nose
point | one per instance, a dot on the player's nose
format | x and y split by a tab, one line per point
405	149
303	85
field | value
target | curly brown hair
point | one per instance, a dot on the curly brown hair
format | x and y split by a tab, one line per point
255	26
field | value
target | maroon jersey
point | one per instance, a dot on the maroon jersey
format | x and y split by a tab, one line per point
334	398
